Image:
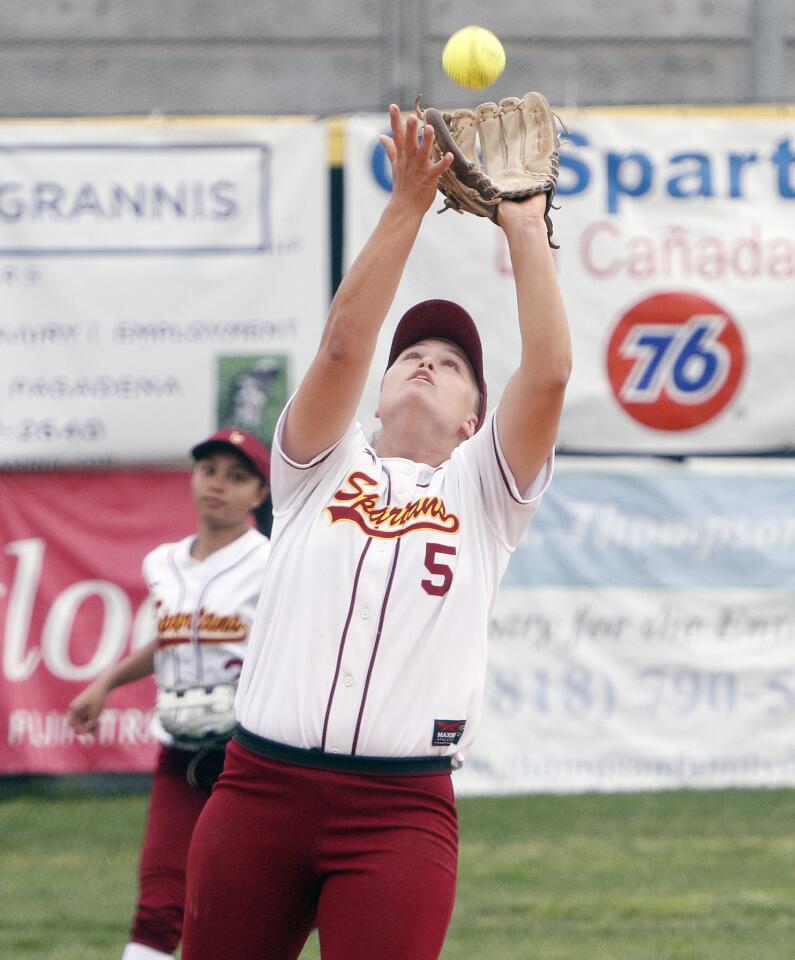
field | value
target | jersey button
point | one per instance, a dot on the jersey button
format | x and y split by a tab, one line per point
365	614
348	681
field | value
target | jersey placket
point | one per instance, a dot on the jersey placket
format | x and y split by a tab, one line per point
180	605
345	715
195	640
197	612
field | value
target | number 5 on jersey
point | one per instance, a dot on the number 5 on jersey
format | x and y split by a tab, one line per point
436	587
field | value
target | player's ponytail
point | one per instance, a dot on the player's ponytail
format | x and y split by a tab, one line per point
263	515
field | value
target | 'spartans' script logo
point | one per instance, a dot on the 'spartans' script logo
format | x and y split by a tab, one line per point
207	627
357	502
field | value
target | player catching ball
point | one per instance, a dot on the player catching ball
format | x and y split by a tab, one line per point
363	683
205	590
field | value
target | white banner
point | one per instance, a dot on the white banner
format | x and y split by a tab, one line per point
157	279
643	636
677	264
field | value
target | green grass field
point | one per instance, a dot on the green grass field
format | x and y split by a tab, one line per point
670	876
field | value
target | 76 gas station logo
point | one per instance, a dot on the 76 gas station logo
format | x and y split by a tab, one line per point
675	361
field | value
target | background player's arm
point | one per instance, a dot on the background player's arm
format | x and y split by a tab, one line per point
329	394
529	411
86	707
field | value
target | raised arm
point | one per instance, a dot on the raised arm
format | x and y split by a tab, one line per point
529	411
327	399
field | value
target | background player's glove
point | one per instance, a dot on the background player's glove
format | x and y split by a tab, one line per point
516	157
198	716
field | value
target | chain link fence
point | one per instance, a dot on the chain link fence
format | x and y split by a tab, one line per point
100	57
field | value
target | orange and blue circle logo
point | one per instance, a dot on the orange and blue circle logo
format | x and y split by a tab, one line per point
380	166
675	361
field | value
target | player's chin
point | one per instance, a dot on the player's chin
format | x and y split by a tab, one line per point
216	518
421	393
420	402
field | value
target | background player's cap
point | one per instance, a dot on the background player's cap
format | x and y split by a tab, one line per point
242	443
442	320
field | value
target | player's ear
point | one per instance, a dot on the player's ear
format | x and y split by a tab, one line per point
468	427
264	490
380	391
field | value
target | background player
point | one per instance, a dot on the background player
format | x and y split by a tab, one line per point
363	685
205	589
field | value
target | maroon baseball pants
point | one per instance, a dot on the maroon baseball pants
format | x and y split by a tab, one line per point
370	858
174	808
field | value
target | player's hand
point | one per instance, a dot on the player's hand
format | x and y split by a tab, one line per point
415	174
84	710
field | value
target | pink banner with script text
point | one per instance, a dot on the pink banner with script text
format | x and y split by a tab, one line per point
72	603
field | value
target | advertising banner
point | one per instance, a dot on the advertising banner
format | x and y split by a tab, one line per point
643	635
72	603
677	265
158	278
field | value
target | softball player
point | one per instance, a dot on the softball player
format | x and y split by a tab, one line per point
363	681
205	589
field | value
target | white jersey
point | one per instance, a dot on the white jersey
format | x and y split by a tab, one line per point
370	635
203	610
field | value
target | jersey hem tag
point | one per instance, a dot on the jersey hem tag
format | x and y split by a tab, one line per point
446	732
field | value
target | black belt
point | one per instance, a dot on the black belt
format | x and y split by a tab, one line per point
345	762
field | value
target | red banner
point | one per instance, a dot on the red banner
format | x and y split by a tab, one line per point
72	602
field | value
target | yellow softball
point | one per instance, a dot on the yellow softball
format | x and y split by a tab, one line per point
473	57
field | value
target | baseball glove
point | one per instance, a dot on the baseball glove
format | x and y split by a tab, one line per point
197	717
505	151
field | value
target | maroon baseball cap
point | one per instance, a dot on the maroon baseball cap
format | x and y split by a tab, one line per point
442	320
240	442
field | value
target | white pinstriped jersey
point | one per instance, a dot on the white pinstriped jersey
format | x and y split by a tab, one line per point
370	635
203	609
